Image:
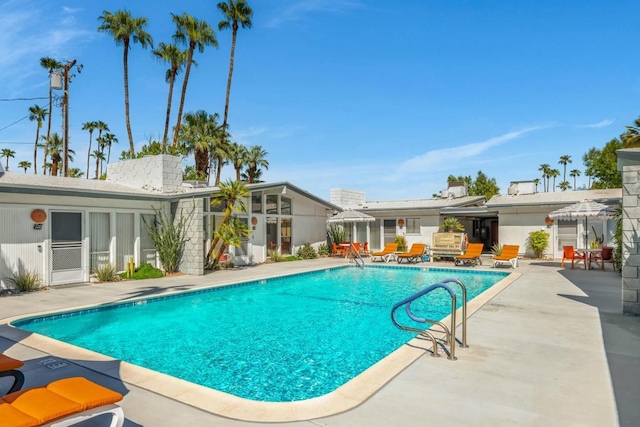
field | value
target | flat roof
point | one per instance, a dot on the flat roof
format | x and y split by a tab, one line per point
607	196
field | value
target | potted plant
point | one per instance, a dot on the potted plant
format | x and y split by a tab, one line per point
452	224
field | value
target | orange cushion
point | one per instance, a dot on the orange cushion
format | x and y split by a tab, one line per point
8	363
84	392
11	417
42	404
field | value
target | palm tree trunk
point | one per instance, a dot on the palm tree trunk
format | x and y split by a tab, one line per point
35	153
184	93
216	260
233	50
238	173
46	143
54	167
89	152
97	166
216	239
201	161
109	154
166	121
219	171
126	97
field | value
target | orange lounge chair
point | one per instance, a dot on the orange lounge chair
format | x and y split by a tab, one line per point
61	403
389	250
471	256
509	255
338	251
9	368
414	255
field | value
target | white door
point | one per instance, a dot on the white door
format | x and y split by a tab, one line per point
66	248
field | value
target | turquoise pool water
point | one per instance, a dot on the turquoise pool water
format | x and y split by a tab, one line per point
277	340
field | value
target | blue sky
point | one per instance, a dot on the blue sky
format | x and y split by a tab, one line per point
388	98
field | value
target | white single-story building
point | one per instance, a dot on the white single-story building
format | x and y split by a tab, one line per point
62	228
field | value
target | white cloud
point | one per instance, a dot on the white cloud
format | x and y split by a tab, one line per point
300	9
602	124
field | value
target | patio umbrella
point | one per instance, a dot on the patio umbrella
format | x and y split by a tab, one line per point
584	210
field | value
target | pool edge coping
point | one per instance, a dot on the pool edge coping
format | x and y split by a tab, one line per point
346	397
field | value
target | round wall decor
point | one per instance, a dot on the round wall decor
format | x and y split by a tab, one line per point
38	215
254	221
400	222
549	221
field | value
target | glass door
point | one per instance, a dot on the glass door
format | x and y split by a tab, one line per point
285	235
272	233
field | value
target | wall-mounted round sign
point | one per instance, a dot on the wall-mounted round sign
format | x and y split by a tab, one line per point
38	215
254	221
401	222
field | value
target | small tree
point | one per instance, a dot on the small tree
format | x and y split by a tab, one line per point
402	243
538	242
230	233
168	236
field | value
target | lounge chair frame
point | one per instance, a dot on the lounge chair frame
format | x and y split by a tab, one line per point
471	257
414	255
511	256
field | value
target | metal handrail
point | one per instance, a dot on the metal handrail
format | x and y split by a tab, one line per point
357	256
463	343
450	332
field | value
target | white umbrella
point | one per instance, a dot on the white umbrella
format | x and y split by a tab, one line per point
584	210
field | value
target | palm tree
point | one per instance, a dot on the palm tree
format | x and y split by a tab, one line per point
536	181
37	114
198	135
564	160
574	174
238	154
176	59
220	153
8	153
194	33
230	234
631	137
232	194
109	139
544	168
24	165
255	161
54	145
126	29
51	65
75	173
554	173
90	126
99	156
564	186
235	12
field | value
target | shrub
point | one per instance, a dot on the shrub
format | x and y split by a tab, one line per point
496	249
538	242
402	243
28	281
307	252
106	273
292	258
451	225
275	256
337	233
168	236
323	250
145	271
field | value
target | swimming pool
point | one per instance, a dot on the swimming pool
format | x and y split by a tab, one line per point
277	340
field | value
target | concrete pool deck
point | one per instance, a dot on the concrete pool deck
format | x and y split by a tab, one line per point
551	349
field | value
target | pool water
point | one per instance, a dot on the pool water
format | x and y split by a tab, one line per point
276	340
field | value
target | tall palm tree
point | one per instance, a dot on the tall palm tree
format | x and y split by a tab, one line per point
236	12
554	173
255	161
176	58
110	139
198	134
238	154
544	168
7	153
54	145
195	34
220	153
126	29
37	114
51	65
536	181
574	174
24	165
232	194
99	156
564	161
90	126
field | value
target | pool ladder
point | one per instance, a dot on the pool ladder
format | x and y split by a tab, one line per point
449	332
354	254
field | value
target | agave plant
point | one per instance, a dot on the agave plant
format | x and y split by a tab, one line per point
452	224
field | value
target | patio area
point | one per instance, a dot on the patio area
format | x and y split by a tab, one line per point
552	349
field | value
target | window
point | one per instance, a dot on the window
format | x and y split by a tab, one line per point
256	202
413	225
219	207
285	205
272	203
